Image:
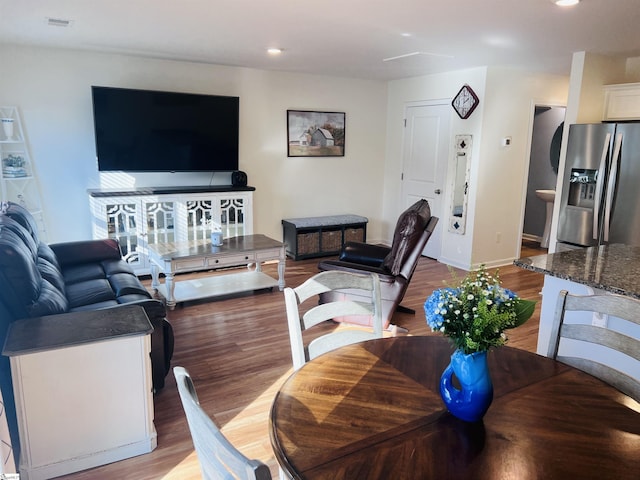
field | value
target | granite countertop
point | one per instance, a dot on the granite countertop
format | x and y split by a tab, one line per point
613	268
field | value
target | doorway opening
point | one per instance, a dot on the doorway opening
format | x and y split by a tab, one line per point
546	139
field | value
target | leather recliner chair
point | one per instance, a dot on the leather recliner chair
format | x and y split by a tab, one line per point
394	265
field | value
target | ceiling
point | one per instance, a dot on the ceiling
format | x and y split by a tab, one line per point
349	38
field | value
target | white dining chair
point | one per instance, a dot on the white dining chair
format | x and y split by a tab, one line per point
218	458
341	308
625	308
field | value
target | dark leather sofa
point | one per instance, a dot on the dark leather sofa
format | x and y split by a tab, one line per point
37	280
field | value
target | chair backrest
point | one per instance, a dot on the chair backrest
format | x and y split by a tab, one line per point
409	238
624	308
411	260
218	458
323	282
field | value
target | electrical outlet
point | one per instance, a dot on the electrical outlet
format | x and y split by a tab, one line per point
498	237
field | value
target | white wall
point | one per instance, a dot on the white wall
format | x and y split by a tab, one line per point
632	70
456	249
511	96
498	175
51	88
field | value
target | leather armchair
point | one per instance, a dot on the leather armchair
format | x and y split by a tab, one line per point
394	265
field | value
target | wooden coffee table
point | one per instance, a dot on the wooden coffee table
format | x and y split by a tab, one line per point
191	256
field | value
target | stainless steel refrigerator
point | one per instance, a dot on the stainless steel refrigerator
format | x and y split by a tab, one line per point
600	201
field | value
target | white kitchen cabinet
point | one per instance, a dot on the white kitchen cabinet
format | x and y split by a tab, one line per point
139	217
622	102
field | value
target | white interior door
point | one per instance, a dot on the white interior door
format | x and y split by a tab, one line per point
426	151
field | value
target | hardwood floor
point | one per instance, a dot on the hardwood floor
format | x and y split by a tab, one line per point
237	351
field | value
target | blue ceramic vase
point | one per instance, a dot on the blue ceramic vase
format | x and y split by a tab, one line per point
471	401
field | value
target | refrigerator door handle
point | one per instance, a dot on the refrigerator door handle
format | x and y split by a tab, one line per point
600	185
613	175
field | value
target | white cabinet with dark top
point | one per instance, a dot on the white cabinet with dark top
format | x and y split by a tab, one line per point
138	217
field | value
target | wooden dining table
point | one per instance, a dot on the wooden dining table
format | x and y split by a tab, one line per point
373	411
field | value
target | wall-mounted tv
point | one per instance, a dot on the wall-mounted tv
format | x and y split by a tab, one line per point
153	131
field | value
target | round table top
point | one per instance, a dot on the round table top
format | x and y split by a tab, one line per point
373	410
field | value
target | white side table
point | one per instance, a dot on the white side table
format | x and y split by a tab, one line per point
83	390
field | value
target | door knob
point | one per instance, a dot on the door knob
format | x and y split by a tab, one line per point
437	191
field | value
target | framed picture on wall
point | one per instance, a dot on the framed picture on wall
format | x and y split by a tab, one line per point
315	134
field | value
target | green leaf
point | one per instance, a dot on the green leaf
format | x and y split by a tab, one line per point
524	310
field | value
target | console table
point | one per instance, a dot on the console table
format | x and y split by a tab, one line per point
322	236
144	215
82	386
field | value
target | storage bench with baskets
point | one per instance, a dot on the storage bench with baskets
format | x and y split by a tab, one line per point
322	236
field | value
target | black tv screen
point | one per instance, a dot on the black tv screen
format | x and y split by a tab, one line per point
152	131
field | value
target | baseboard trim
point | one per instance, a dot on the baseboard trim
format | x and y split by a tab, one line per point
531	238
72	465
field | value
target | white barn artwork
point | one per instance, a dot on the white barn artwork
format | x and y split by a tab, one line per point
322	137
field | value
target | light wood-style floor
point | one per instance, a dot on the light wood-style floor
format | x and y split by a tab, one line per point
237	351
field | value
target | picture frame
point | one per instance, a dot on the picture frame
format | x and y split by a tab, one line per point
313	133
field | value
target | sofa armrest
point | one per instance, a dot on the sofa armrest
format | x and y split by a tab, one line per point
86	251
364	254
162	340
152	307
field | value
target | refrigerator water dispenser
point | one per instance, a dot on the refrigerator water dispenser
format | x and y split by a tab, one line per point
582	187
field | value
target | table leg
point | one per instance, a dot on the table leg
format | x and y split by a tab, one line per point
170	286
281	265
155	281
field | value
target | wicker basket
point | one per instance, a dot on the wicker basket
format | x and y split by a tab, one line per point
354	235
331	241
308	243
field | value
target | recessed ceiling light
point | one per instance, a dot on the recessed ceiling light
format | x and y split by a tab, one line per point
566	3
274	51
406	34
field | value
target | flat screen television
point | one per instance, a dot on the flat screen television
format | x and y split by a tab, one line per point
153	131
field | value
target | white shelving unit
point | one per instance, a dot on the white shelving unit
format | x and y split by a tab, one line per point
18	181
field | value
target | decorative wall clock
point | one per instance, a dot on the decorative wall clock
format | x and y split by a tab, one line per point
465	102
